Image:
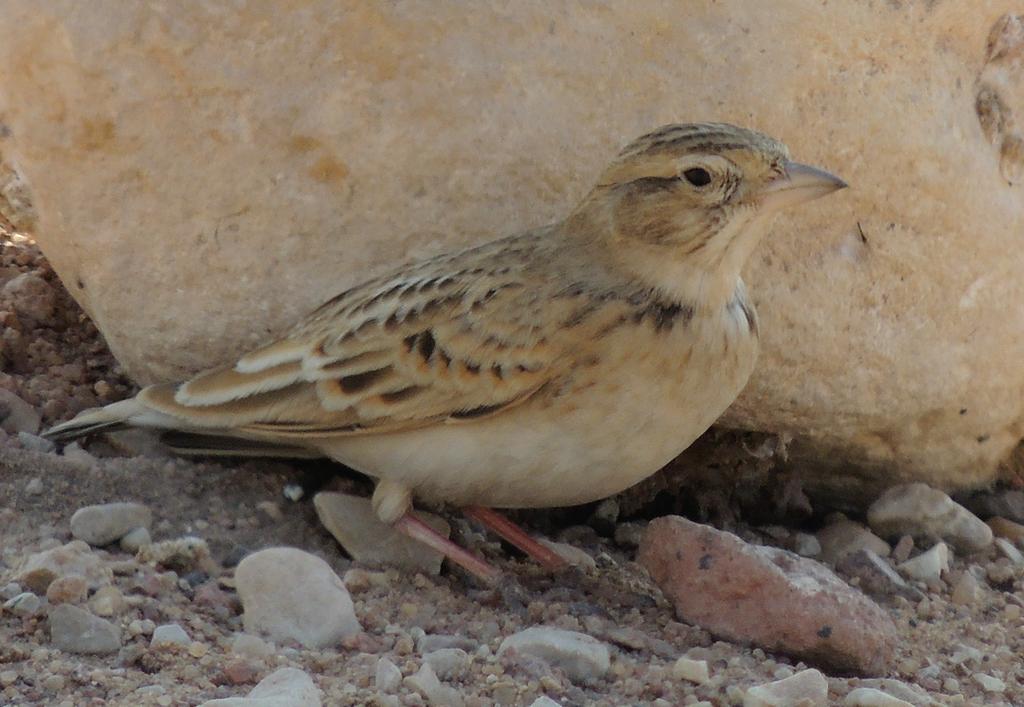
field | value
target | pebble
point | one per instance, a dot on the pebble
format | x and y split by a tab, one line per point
808	688
169	636
285	687
695	671
924	512
145	627
8	677
183	555
240	671
766	596
34	487
1008	550
107	601
1003	528
10	590
435	641
354	524
870	697
876	576
135	539
32	296
583	658
35	443
545	701
17	416
966	590
53	683
448	663
41	568
629	534
75	630
291	595
806	545
845	537
989	683
75	454
387	676
902	549
250	646
24	604
69	589
425	682
929	565
1007	504
108	522
570	553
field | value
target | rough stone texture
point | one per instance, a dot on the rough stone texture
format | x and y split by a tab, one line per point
291	595
285	687
352	522
361	134
876	577
103	524
75	630
40	569
808	688
924	512
17	416
929	565
846	537
582	657
766	596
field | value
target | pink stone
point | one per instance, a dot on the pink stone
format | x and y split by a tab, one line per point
766	596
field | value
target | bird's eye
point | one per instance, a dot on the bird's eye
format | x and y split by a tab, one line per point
697	176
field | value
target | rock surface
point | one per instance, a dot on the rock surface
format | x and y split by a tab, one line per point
285	687
108	522
41	568
75	630
925	512
291	595
365	134
352	522
808	688
582	657
767	596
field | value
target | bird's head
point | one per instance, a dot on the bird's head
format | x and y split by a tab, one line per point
700	194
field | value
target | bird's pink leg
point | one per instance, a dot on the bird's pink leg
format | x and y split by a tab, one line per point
418	530
511	532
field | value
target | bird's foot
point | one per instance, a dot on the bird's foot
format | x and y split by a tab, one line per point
416	529
511	532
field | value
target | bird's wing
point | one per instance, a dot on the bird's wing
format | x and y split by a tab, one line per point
414	349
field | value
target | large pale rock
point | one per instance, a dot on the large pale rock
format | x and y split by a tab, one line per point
202	177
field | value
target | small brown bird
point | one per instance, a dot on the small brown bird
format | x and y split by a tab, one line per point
550	368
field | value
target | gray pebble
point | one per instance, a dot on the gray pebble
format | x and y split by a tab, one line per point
75	630
103	524
169	635
24	604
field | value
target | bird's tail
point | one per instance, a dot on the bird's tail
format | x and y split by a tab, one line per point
109	418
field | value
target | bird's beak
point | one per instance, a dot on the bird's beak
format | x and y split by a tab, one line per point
797	184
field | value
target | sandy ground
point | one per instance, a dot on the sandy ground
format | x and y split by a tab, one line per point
57	363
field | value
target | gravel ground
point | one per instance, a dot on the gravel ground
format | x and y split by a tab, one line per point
960	640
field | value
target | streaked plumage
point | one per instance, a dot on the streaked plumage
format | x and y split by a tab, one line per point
553	367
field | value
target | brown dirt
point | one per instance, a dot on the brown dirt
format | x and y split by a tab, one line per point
58	364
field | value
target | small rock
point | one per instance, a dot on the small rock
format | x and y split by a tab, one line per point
183	555
902	549
845	537
35	443
107	601
583	658
966	590
135	539
605	516
169	636
900	690
24	604
1003	528
928	566
570	553
989	683
924	512
447	663
876	577
103	524
870	697
963	653
10	590
17	416
75	454
291	595
356	527
1007	504
69	589
767	596
240	671
629	534
388	676
808	688
426	683
75	630
695	671
250	646
1008	550
430	642
805	545
40	569
32	296
34	487
545	701
285	687
8	677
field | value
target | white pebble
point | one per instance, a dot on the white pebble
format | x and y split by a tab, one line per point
695	671
171	635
